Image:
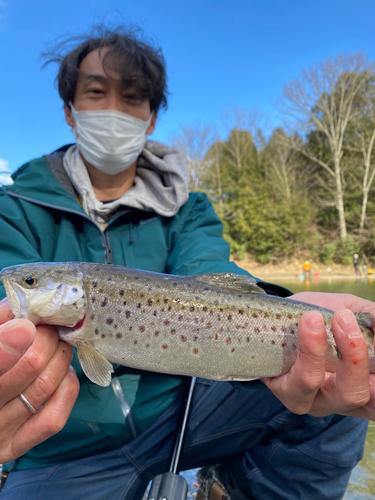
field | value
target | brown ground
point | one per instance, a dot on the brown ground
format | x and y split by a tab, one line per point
293	268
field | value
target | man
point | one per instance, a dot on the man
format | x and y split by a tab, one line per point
115	198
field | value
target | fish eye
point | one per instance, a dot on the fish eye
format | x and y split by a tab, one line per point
30	280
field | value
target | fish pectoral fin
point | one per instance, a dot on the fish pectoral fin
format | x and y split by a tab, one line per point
95	366
238	283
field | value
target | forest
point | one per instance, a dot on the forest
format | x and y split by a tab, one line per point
304	189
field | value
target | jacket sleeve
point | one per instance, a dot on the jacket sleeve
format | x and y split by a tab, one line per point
17	242
196	241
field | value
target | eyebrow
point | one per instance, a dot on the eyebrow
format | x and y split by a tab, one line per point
93	77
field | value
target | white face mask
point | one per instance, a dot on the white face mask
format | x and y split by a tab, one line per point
110	140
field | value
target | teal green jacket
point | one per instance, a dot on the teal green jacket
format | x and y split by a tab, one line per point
41	220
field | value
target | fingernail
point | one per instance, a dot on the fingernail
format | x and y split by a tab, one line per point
314	321
72	370
348	323
15	340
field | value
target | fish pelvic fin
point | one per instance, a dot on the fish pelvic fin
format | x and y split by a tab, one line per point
94	365
238	283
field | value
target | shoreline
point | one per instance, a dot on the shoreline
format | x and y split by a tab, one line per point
292	270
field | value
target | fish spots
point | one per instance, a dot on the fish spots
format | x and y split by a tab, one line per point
216	336
173	331
252	357
121	293
255	315
104	302
169	308
149	302
166	322
208	325
174	283
93	299
109	279
118	335
96	331
135	342
195	338
180	317
156	333
165	301
292	331
142	295
164	346
205	308
103	335
109	321
273	328
265	314
283	344
233	349
273	341
155	313
229	317
240	311
141	328
289	316
94	284
294	346
183	338
92	317
228	340
139	305
247	339
127	314
256	330
147	346
216	302
191	308
278	316
74	289
195	350
130	328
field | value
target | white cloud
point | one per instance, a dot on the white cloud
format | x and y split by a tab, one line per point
5	178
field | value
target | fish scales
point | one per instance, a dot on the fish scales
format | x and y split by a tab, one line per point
218	326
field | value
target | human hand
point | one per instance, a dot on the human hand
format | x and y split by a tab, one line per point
307	387
34	362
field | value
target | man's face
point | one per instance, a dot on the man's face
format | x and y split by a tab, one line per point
96	91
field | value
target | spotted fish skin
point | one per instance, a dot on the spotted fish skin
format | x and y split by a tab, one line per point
215	326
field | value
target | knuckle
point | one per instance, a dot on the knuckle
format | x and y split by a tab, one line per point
42	388
352	401
33	362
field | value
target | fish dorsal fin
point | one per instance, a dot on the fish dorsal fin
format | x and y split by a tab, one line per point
238	283
94	364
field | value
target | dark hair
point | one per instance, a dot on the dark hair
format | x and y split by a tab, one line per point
139	64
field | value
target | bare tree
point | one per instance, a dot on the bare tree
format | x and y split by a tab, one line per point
193	142
361	139
323	99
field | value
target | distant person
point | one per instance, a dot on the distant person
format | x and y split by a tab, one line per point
356	264
307	269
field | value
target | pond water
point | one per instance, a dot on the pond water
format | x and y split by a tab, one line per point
362	481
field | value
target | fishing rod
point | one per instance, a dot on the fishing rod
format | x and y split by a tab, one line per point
170	485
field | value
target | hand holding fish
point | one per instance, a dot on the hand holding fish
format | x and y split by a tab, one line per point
36	364
307	387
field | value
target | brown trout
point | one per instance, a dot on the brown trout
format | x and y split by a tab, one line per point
215	326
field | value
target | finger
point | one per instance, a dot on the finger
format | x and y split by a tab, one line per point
41	389
298	388
5	312
336	301
30	365
48	421
16	336
352	374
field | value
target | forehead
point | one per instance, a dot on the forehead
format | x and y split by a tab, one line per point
92	64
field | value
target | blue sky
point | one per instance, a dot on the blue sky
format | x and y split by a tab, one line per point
220	54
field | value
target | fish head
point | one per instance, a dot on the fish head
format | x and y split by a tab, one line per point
48	293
